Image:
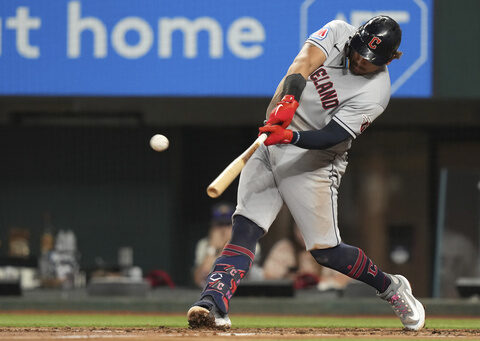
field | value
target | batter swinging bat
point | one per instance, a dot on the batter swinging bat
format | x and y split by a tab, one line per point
226	177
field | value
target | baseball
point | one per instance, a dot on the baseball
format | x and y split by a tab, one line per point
159	142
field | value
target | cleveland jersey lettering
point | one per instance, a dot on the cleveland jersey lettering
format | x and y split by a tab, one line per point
321	81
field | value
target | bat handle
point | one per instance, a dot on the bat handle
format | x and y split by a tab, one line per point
262	138
257	143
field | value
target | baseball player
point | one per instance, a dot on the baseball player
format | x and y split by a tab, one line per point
336	86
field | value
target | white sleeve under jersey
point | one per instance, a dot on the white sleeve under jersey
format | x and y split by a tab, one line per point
334	33
357	116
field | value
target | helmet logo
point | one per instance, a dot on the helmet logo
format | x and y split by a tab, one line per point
374	42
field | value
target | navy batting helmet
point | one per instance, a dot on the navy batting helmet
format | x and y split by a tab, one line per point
377	40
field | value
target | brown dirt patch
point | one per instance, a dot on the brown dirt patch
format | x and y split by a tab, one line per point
162	333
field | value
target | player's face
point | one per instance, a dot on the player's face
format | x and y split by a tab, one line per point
360	66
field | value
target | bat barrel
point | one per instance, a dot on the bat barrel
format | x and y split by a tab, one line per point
213	192
220	184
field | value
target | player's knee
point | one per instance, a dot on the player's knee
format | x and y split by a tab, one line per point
245	232
328	257
335	257
322	256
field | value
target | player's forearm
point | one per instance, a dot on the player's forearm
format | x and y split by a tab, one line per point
308	60
301	66
294	85
324	138
276	97
291	85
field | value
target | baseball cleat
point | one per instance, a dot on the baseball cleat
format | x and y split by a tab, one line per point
399	294
204	314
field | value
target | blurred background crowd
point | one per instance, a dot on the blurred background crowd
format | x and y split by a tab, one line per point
85	84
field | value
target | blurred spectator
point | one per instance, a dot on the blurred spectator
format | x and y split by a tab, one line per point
160	278
19	243
208	249
66	257
59	265
288	259
458	260
45	263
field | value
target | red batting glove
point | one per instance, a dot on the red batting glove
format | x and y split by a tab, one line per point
283	113
278	134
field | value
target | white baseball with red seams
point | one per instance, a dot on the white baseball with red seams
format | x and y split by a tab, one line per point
159	142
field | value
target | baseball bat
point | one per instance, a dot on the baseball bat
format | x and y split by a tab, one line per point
220	184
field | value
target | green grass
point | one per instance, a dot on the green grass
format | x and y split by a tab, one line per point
239	321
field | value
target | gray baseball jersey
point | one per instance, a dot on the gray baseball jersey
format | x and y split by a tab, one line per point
333	92
307	181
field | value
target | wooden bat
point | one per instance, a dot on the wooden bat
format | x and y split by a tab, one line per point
220	184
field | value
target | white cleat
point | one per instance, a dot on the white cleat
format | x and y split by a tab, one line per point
207	316
399	294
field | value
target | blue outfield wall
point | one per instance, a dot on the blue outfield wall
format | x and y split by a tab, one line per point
186	47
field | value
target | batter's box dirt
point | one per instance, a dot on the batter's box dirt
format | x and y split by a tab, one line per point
162	333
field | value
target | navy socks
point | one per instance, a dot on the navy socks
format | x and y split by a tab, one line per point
353	262
233	264
238	255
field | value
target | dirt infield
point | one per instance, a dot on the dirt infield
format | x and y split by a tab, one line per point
162	333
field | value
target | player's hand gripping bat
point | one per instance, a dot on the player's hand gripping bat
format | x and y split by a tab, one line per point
229	174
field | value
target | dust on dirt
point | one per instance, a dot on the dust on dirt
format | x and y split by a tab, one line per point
162	333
